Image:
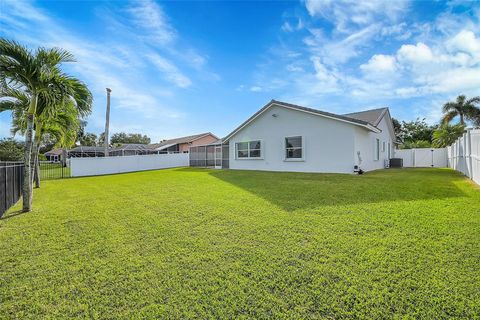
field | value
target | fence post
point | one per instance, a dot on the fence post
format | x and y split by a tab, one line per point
413	157
6	191
468	153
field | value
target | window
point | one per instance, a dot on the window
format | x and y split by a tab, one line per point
383	146
249	149
377	149
294	148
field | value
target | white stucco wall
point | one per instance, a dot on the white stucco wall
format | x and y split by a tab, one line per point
329	144
110	165
365	144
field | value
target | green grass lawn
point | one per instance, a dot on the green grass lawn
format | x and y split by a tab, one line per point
195	243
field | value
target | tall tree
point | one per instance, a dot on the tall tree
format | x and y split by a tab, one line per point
122	137
416	133
88	140
38	75
463	108
447	134
11	150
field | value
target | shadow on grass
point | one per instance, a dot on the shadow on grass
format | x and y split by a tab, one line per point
12	214
293	191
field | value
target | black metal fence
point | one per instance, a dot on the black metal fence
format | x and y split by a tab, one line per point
11	182
54	170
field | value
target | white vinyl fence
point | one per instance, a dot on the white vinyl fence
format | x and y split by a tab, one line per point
423	157
109	165
464	155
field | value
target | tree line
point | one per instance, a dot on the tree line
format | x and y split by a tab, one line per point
420	134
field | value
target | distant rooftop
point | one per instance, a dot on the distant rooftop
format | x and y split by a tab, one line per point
172	142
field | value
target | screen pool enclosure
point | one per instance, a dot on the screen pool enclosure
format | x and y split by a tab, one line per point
209	156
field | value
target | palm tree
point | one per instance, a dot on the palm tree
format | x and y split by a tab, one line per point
63	126
465	109
447	134
39	76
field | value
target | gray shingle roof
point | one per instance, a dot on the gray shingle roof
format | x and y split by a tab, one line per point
88	149
54	152
371	116
132	146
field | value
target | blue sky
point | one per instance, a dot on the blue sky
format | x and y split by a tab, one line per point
179	68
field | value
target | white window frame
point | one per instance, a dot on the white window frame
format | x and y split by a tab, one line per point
248	150
285	148
383	146
376	150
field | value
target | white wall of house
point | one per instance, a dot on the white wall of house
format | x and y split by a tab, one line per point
110	165
365	144
328	143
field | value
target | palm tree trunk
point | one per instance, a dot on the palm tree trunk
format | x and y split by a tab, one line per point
36	165
462	120
27	191
36	149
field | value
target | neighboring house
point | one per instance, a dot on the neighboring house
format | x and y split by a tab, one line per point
131	149
183	144
82	151
287	137
54	155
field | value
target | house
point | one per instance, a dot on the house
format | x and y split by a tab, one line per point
54	155
84	151
287	137
131	149
183	144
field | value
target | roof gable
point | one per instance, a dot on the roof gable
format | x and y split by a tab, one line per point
329	115
373	116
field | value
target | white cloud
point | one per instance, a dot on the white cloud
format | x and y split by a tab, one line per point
457	80
149	16
335	51
169	70
407	91
256	89
325	77
345	14
290	27
380	63
287	27
415	54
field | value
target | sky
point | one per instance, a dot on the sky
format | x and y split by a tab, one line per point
183	67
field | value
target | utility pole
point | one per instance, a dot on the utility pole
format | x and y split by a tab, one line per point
107	122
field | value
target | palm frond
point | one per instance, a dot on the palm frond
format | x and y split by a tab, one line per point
449	116
449	106
473	101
